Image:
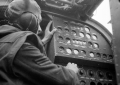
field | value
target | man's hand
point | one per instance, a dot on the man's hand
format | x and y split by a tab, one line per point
48	33
72	66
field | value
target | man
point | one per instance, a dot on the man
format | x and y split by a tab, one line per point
23	60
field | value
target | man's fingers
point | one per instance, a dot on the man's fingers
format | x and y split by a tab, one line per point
48	25
53	31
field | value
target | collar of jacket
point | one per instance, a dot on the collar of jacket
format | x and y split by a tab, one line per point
7	29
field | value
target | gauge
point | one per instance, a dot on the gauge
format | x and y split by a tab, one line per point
83	52
69	51
88	36
92	54
81	34
96	46
59	29
94	37
76	52
61	49
68	41
74	33
87	29
90	45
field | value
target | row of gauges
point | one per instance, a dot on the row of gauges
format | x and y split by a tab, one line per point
78	33
95	77
95	74
77	42
83	54
91	82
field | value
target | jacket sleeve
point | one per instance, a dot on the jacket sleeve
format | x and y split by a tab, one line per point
31	64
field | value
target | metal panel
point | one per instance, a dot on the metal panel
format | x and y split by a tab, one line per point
115	14
67	45
79	9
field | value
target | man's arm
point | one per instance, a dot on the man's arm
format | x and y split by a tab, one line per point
48	33
32	64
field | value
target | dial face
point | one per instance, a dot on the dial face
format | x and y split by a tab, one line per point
90	45
98	55
61	49
87	29
69	51
74	33
82	71
83	52
81	34
96	46
68	41
67	30
76	52
60	38
94	37
88	36
100	74
59	29
91	73
92	54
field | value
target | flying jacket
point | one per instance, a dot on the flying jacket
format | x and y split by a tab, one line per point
23	61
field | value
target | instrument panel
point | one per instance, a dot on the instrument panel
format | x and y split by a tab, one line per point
81	41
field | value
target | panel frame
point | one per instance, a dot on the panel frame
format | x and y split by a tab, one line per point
115	16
